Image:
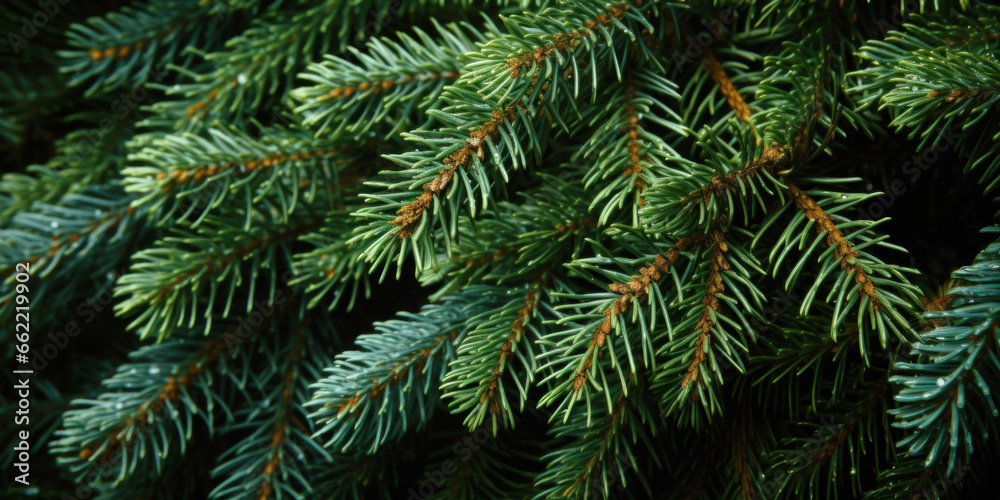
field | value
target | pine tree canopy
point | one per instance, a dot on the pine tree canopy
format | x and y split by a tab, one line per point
500	249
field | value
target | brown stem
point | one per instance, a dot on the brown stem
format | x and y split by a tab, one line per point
409	216
726	86
638	288
834	237
415	362
634	146
771	160
507	350
383	85
285	416
713	287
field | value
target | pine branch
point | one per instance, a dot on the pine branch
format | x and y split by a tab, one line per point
948	386
121	48
391	82
404	362
123	427
165	282
280	448
601	454
500	345
488	110
196	174
574	349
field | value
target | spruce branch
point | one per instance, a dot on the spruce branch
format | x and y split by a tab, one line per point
403	363
123	427
165	282
695	350
935	79
495	469
121	48
602	453
196	174
280	449
950	376
77	164
501	345
625	156
483	112
249	70
391	82
574	350
80	241
839	437
880	292
333	265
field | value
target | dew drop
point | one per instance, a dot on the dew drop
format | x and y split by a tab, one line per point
854	472
54	224
153	370
119	406
940	382
241	78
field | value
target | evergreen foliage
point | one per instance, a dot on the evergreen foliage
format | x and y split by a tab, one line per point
506	249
